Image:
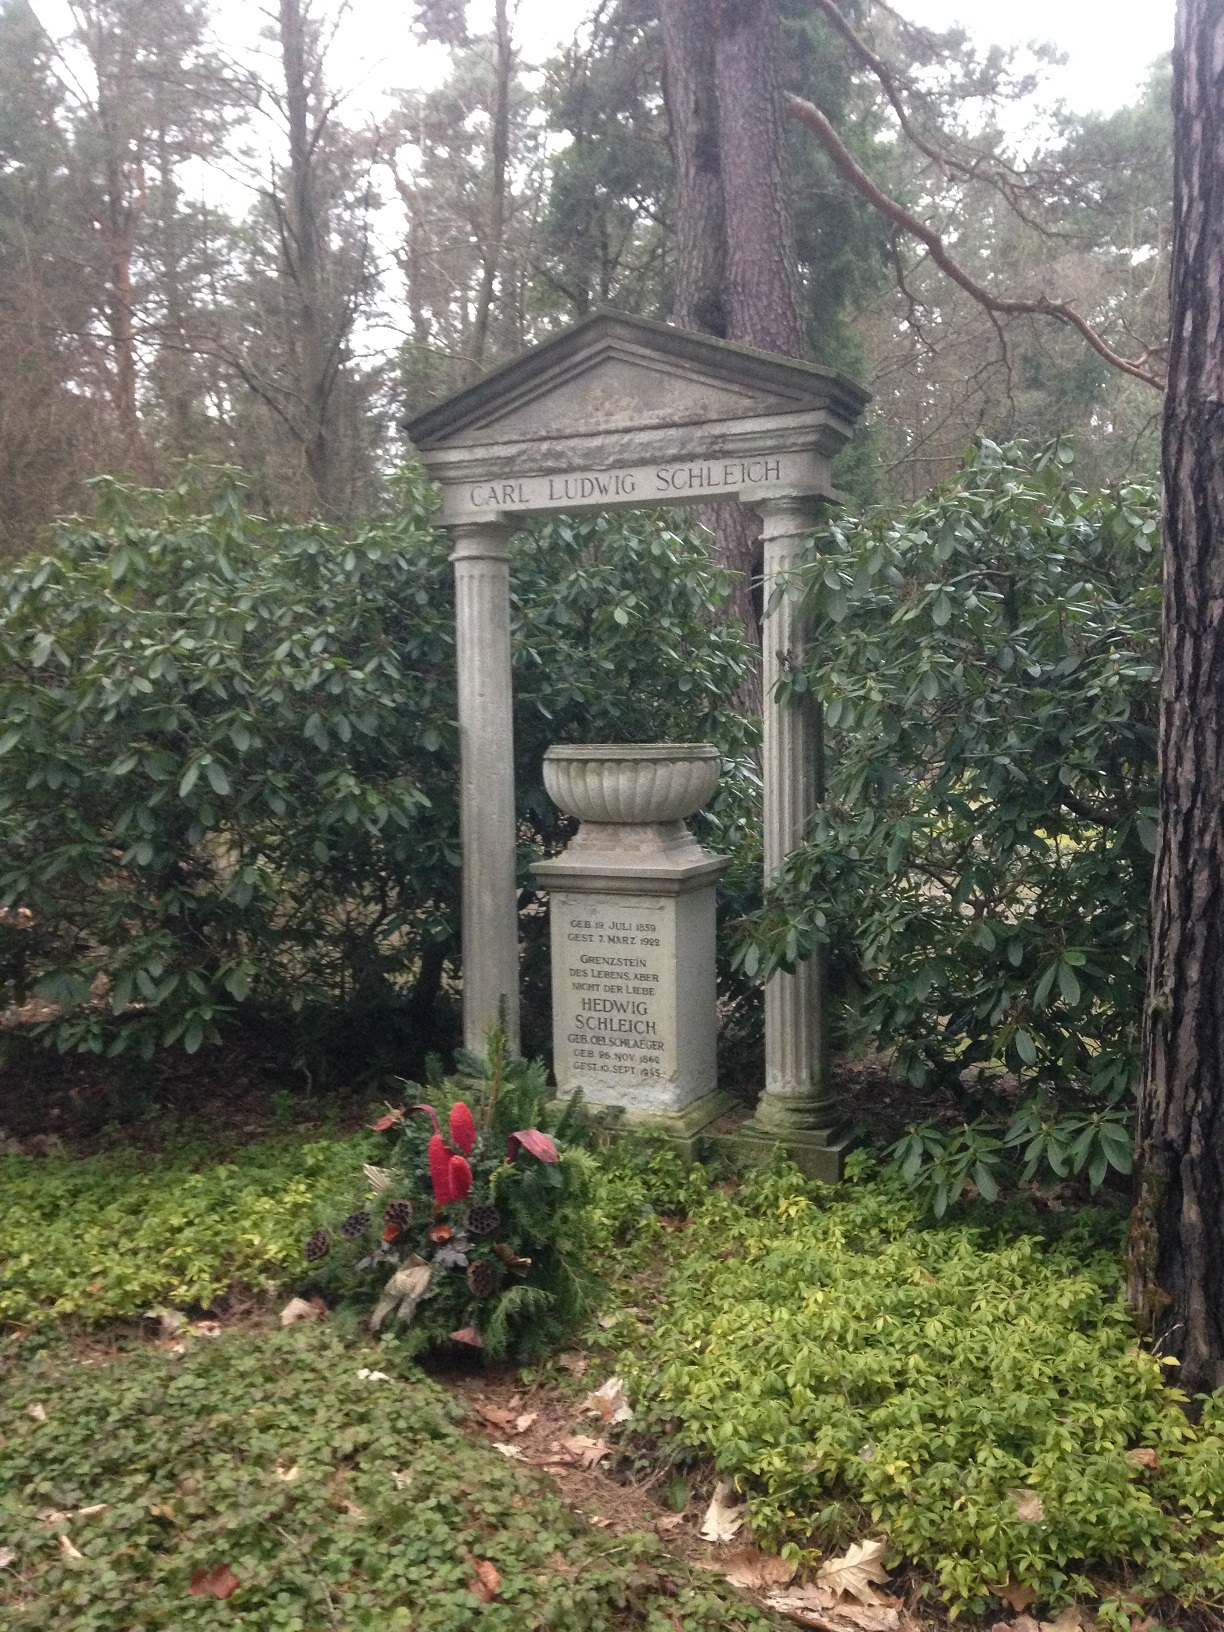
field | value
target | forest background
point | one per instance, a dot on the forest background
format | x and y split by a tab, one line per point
241	257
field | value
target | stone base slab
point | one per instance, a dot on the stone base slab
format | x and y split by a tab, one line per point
685	1129
818	1153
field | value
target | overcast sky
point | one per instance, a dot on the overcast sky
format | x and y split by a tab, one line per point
1109	43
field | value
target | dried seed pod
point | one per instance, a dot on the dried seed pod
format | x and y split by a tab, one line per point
398	1214
355	1225
482	1219
318	1246
481	1279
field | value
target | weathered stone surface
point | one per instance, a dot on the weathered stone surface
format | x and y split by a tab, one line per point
624	413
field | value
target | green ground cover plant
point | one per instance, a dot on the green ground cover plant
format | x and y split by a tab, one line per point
976	1395
331	1498
112	1235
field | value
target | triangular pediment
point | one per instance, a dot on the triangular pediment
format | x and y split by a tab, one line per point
613	374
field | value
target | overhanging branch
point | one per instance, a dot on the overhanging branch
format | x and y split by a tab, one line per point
848	167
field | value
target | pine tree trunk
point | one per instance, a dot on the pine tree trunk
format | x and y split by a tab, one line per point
317	361
692	108
499	160
1176	1257
762	281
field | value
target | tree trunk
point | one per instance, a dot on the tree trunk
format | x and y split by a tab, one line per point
762	280
692	109
316	372
499	159
1176	1257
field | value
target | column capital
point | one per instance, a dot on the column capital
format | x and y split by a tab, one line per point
480	540
790	516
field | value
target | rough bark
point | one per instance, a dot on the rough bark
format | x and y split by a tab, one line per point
762	281
692	108
1177	1235
316	354
499	160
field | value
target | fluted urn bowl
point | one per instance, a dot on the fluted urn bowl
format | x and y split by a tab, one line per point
631	782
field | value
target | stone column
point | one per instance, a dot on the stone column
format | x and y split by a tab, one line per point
793	1107
486	781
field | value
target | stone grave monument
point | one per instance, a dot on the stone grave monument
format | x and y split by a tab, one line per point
622	413
631	908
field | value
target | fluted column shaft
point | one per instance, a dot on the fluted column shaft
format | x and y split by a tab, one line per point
486	781
795	1027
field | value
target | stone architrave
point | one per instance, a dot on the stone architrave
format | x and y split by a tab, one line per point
620	413
632	926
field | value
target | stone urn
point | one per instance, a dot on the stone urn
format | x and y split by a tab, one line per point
632	797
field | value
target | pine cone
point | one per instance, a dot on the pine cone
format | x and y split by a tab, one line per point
355	1225
483	1219
481	1279
398	1214
318	1246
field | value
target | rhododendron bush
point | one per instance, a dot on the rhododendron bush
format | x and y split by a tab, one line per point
473	1228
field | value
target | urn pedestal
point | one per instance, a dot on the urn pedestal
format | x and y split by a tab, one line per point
631	910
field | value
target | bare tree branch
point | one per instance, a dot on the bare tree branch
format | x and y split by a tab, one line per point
852	172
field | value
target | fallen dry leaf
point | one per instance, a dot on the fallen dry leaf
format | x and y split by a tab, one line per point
487	1580
1024	1623
66	1547
524	1421
290	1475
723	1518
206	1328
575	1364
92	1511
218	1583
666	1523
817	1606
1014	1594
402	1481
514	1452
496	1416
754	1570
352	1509
1070	1619
162	1510
298	1309
8	1555
36	1412
851	1575
468	1335
600	1523
1143	1456
171	1321
610	1401
584	1450
1028	1504
52	1515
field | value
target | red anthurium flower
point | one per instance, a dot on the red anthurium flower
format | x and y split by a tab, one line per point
460	1178
462	1127
440	1170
